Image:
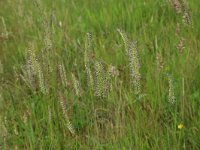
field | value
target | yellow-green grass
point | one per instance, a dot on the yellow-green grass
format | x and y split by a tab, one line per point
60	108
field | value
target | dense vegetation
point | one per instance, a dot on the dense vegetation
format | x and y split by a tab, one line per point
100	74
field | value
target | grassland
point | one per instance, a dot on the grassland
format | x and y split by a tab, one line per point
104	74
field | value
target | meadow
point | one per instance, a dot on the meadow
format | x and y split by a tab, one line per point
100	74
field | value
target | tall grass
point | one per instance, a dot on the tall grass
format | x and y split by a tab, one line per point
108	74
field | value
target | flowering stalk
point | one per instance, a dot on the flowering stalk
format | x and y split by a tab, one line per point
76	84
171	95
87	61
64	110
134	63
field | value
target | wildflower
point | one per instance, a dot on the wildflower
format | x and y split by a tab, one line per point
180	126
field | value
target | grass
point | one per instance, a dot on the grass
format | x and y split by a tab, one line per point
68	81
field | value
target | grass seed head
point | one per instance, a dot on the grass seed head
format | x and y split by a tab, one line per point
159	62
76	84
181	45
64	110
124	38
99	79
62	74
87	61
171	93
134	66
